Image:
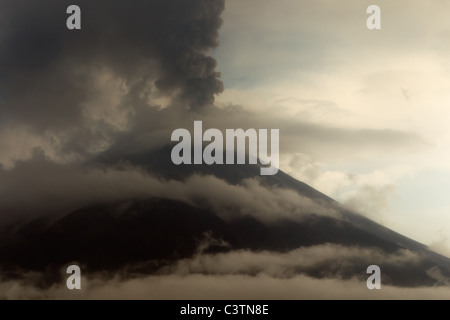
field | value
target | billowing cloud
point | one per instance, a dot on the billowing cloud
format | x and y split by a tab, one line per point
70	91
164	42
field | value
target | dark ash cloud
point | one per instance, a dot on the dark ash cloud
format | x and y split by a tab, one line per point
47	72
127	80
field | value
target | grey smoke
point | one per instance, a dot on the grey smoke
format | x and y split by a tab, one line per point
47	71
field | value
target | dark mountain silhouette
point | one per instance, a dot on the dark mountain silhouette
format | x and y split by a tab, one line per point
143	235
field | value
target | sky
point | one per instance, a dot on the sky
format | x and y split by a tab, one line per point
371	106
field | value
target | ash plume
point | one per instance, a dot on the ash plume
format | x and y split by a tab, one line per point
47	71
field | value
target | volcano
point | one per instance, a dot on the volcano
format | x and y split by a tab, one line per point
150	235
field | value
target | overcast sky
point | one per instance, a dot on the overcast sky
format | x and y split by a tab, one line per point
375	103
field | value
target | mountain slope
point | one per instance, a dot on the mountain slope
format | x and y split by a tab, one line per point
147	235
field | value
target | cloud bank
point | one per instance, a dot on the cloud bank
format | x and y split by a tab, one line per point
241	275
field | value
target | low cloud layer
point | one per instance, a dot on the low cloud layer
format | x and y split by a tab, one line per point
205	287
242	275
41	187
329	257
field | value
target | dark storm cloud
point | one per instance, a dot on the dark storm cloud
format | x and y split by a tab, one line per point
46	70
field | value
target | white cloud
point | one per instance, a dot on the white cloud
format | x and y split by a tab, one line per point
233	287
329	257
370	200
441	245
